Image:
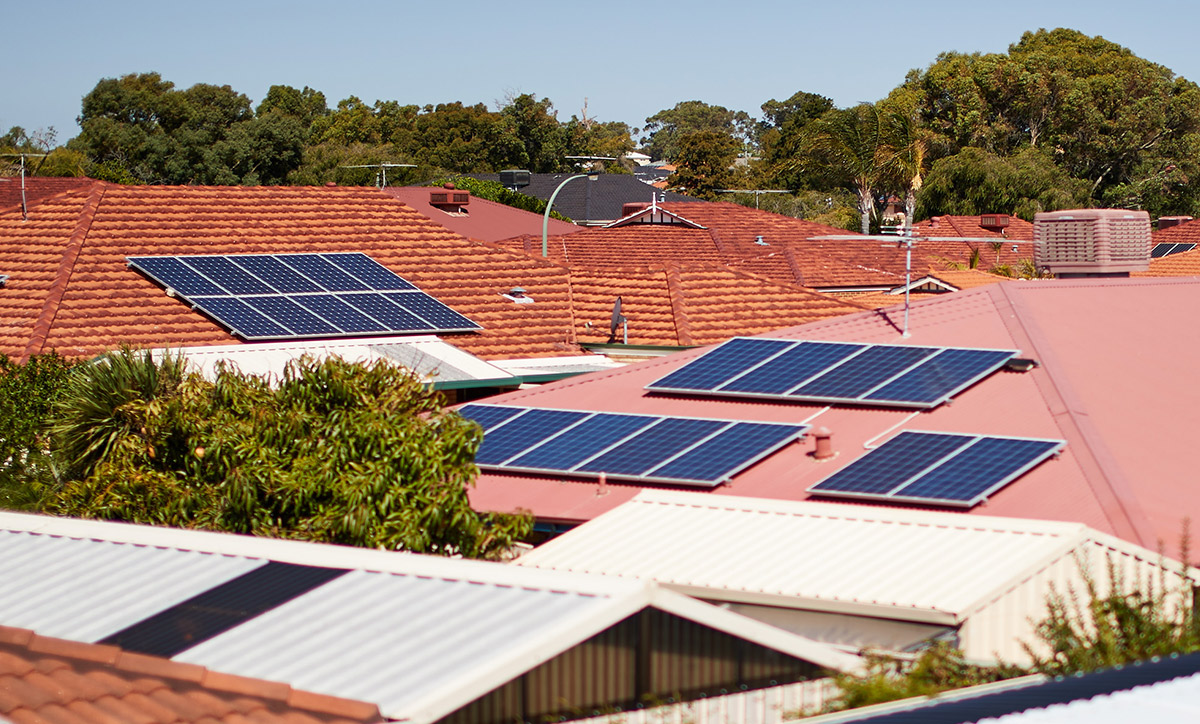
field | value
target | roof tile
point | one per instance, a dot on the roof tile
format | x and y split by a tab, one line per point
44	679
69	288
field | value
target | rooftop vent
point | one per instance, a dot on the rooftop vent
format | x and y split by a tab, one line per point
514	178
1092	242
449	196
1166	222
994	222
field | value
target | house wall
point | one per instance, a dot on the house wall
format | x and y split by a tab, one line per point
998	628
773	705
650	658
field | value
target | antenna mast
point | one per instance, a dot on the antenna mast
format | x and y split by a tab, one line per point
381	174
24	205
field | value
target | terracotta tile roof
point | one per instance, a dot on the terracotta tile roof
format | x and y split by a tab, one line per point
45	679
958	279
69	288
1185	233
481	219
690	304
38	188
729	236
1018	228
1183	264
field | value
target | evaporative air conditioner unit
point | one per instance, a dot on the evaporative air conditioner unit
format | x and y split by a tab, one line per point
1092	242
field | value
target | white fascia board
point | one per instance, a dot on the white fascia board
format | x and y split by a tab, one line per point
519	660
326	555
763	634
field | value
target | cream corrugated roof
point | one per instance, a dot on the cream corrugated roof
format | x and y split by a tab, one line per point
917	565
420	636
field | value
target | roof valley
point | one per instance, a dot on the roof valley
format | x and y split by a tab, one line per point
683	326
41	328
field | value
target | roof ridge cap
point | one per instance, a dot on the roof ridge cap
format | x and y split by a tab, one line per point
675	291
41	327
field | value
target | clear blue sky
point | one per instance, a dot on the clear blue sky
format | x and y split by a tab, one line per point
629	58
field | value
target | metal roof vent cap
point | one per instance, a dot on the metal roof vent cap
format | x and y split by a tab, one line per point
449	196
1092	242
824	444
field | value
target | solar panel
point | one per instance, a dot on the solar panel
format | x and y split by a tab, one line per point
833	372
282	296
642	448
1161	250
937	468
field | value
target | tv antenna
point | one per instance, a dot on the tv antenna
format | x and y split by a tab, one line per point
381	174
618	320
24	206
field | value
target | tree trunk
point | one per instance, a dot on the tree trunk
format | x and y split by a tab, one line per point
865	204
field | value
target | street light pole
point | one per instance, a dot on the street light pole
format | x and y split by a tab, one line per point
549	204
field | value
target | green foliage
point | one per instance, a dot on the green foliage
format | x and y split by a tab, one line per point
334	452
938	668
1130	621
1101	113
977	182
140	126
28	393
851	145
703	159
667	127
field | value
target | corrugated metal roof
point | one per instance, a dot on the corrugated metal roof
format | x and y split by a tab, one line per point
427	356
1168	702
88	589
420	636
824	555
1162	690
391	639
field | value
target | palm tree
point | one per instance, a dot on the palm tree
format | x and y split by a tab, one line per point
851	142
905	154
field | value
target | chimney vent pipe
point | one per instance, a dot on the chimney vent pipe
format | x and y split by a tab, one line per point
824	448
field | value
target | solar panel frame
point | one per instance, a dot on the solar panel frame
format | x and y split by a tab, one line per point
784	434
670	383
280	296
934	468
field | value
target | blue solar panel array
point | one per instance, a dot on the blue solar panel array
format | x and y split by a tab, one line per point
833	372
1161	250
644	448
937	468
289	296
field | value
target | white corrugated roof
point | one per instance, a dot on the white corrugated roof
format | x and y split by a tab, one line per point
427	356
919	565
418	635
81	589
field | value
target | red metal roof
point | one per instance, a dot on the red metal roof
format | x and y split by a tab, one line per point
481	219
1118	360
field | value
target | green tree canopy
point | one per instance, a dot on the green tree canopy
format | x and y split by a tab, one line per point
1102	113
704	159
334	452
141	127
667	127
974	181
